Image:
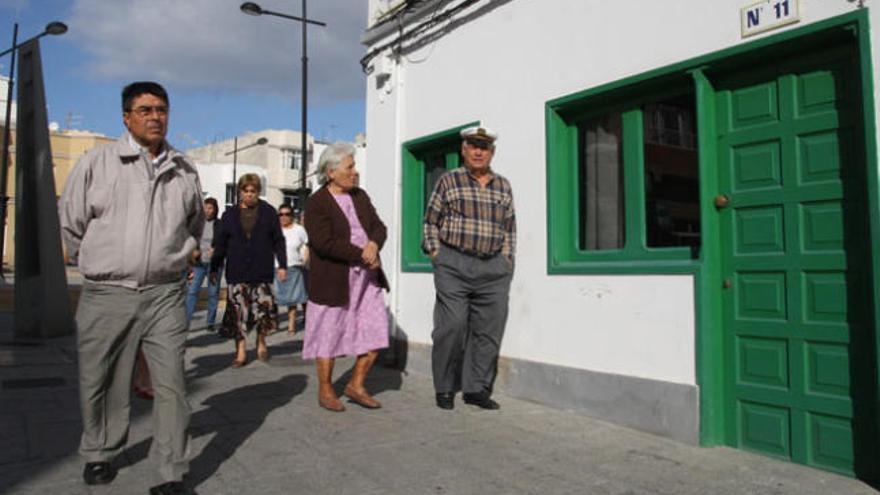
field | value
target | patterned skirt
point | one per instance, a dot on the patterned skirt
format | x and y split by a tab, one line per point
249	306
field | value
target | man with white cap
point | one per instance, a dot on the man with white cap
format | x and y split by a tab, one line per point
470	234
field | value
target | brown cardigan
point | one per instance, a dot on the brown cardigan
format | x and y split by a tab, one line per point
330	248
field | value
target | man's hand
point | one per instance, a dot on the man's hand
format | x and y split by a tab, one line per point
434	254
282	274
212	277
376	265
189	273
370	253
196	255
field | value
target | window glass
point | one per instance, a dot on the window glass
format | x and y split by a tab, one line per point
672	189
601	184
288	197
292	158
435	166
230	194
287	159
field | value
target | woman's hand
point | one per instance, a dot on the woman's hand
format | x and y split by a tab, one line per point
370	254
282	274
376	265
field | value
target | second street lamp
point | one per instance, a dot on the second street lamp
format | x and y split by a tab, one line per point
251	8
234	153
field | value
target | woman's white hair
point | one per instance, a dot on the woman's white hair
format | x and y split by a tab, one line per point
331	158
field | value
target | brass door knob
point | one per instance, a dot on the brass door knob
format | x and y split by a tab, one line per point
722	201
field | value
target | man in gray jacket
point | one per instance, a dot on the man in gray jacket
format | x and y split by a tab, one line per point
131	215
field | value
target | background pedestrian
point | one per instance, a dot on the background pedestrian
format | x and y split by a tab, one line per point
248	239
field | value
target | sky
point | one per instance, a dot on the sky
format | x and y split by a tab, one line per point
226	73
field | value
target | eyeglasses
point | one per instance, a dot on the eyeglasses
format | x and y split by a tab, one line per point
146	111
280	214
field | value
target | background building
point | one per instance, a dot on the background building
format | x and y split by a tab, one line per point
279	162
68	145
697	201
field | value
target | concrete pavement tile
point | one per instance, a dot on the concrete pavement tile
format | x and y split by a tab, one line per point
49	440
13	438
37	355
208	418
328	477
36	476
212	467
253	409
27	401
66	488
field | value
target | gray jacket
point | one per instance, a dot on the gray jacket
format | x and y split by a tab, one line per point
127	222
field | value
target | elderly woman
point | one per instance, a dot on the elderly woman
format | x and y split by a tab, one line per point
345	315
249	238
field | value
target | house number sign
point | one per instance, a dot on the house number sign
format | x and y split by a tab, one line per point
768	14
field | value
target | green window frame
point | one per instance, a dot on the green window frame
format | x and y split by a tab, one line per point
565	116
418	155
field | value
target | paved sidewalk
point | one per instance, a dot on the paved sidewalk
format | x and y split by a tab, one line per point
258	430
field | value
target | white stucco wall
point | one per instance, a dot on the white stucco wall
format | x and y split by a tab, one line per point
501	68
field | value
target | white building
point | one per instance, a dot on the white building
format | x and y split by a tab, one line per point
4	89
696	186
279	162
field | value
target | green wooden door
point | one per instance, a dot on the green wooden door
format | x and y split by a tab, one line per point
795	294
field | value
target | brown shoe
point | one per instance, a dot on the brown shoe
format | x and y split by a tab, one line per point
331	403
362	398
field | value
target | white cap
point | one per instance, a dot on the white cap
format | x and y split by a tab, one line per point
479	133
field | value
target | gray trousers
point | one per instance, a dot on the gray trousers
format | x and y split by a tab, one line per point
112	322
469	318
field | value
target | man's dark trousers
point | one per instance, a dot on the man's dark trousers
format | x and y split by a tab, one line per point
469	318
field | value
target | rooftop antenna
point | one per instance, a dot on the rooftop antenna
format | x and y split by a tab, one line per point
72	119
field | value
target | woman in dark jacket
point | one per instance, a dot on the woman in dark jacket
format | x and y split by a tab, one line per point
346	313
250	236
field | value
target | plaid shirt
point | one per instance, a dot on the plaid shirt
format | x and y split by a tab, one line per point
470	218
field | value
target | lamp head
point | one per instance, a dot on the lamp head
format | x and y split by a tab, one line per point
250	8
262	140
56	28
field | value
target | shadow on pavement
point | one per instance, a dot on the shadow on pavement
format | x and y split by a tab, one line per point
231	417
204	340
381	378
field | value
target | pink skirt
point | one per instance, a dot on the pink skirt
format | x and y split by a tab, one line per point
359	327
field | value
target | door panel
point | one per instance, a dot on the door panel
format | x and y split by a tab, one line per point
793	251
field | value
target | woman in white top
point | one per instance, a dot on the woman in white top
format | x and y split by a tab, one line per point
292	291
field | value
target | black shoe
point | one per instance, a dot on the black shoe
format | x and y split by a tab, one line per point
170	488
446	400
98	473
480	400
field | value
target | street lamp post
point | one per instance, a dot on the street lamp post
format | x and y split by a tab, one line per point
53	28
252	8
234	153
